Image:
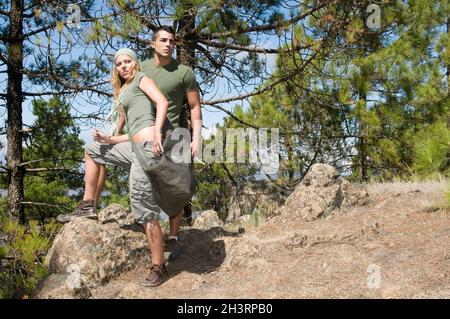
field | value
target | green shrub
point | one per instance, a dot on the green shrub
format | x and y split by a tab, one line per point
432	151
22	257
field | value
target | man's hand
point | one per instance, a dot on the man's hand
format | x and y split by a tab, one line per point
195	147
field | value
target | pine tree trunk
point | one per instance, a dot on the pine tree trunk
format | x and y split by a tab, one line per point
14	105
185	48
362	148
290	151
448	65
186	56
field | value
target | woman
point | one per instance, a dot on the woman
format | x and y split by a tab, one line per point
132	90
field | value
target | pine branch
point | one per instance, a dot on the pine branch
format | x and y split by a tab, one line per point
69	85
57	169
229	174
5	13
202	24
267	27
286	188
247	95
138	39
50	159
145	22
254	49
229	113
43	204
208	55
76	89
47	27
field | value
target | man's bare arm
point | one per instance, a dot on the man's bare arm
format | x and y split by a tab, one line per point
196	119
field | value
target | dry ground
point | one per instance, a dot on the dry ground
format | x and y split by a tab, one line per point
396	247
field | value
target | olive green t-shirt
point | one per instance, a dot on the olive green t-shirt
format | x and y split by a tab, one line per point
173	80
137	106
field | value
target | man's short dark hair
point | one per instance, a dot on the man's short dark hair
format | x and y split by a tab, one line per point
166	28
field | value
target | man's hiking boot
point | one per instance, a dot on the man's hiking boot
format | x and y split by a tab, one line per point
172	248
158	275
84	209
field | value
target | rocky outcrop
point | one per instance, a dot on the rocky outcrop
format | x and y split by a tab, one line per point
262	196
87	253
322	192
208	219
116	213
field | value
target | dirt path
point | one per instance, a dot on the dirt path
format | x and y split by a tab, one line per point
396	247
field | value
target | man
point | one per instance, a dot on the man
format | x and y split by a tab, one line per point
177	82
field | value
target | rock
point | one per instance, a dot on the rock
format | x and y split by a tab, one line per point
244	221
322	192
296	240
208	219
95	251
61	286
258	195
320	175
240	252
116	213
353	194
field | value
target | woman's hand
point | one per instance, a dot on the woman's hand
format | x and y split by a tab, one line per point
157	142
101	137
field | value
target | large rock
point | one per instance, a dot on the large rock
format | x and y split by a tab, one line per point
91	251
208	219
116	213
261	196
322	192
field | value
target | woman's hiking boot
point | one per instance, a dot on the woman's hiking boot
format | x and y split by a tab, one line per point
84	209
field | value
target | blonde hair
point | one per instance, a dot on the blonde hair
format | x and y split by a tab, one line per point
117	82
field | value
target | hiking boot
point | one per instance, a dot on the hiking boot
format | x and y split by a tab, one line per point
172	248
158	275
84	209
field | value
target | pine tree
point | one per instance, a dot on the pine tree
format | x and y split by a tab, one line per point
367	102
37	39
52	159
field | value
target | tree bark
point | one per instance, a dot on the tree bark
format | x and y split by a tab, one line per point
14	105
448	65
362	147
185	45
